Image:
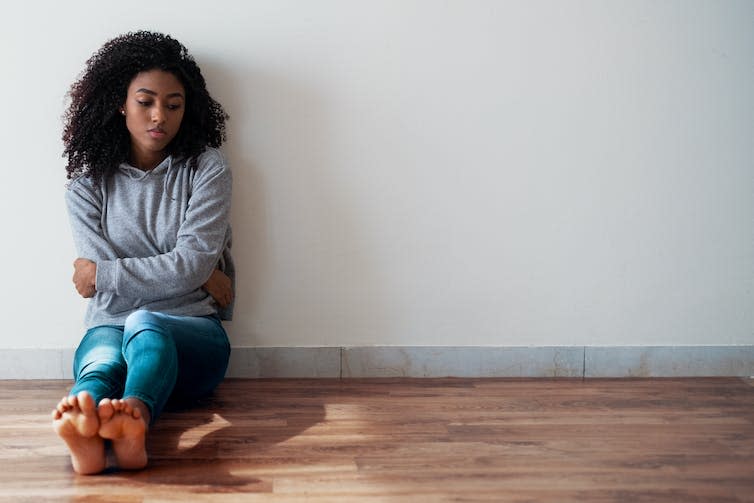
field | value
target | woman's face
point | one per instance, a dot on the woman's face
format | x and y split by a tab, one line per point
154	109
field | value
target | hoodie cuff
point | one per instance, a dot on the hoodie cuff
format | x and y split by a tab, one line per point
106	276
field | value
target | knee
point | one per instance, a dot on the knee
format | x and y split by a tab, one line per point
140	319
148	328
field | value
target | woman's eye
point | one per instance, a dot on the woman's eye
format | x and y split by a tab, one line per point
174	107
144	103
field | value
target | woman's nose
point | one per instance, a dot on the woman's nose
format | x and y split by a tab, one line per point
158	116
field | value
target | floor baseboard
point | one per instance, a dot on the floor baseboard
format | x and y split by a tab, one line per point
437	361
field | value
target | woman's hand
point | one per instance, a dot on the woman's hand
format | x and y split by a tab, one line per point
84	277
220	288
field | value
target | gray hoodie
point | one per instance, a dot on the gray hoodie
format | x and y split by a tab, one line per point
156	236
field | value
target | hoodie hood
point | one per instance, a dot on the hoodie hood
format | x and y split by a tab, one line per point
166	168
139	174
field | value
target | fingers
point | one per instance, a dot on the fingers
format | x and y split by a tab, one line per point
223	296
226	300
221	302
86	291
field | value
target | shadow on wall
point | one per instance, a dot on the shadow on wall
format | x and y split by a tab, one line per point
304	269
249	210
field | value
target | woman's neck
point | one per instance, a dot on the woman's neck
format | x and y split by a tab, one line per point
146	161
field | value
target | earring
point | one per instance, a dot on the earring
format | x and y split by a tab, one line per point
122	112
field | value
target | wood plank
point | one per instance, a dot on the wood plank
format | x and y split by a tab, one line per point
411	439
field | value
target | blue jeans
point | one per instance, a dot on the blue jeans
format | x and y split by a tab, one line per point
153	357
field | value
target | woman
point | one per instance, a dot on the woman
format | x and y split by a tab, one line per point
149	206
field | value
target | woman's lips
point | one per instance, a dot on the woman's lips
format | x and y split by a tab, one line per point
157	133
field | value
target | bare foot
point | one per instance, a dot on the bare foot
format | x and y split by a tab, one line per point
124	424
76	421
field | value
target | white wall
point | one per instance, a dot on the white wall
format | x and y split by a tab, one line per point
429	172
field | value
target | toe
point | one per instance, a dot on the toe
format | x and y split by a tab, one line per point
86	402
105	409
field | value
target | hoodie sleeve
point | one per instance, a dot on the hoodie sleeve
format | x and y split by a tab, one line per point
84	202
201	239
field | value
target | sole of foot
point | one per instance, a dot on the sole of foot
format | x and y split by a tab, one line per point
76	421
124	425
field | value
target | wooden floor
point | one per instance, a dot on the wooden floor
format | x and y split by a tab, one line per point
675	440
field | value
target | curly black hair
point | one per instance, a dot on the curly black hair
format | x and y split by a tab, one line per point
95	135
